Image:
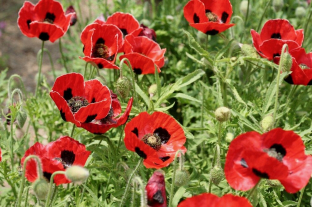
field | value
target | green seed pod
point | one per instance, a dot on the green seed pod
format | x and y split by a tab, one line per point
249	50
41	188
229	137
300	12
277	5
217	175
267	122
182	178
123	86
286	62
243	7
223	114
77	174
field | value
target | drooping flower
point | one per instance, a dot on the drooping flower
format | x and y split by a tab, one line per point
144	54
301	67
101	44
79	101
156	138
274	34
156	191
45	20
73	19
148	32
112	120
209	17
277	154
211	200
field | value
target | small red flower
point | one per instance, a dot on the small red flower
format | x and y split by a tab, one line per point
45	20
156	138
148	32
0	155
211	200
100	126
73	19
79	101
209	17
277	154
143	54
101	43
156	190
274	34
301	67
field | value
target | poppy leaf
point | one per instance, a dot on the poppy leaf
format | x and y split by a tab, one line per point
178	195
142	94
223	50
194	59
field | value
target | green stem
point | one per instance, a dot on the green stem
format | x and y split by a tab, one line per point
179	152
300	198
51	62
26	197
262	16
51	185
253	190
39	71
62	54
21	81
124	197
307	20
19	199
72	131
85	70
247	13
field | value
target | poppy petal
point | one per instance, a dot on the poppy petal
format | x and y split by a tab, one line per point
125	22
25	16
211	28
272	48
100	63
205	199
194	12
140	63
230	200
69	85
156	191
222	8
93	111
46	31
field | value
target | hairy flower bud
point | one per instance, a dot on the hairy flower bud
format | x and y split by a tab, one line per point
229	137
77	174
243	7
267	122
152	89
73	19
217	175
123	86
41	188
182	177
223	114
300	12
277	5
286	62
248	50
21	117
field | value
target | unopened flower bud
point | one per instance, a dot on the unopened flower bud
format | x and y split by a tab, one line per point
286	62
267	122
41	188
300	12
77	174
152	89
21	117
223	114
243	7
277	5
73	19
229	137
182	177
123	86
148	32
217	175
249	50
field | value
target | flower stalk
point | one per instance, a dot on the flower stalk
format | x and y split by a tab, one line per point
40	66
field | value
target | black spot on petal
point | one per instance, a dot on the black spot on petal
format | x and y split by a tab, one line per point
157	198
90	118
124	32
28	23
100	65
44	36
136	131
83	48
137	71
47	175
212	32
67	94
310	82
195	18
279	149
68	158
163	134
93	100
100	41
164	159
50	17
276	55
260	174
289	80
140	153
243	163
224	17
207	10
111	58
276	36
63	115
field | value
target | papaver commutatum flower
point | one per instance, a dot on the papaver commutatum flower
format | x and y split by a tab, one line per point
79	101
45	20
274	34
211	200
156	190
156	138
277	154
56	156
209	16
143	54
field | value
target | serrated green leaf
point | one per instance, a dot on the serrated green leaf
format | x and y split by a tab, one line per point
235	93
178	195
187	97
139	91
194	59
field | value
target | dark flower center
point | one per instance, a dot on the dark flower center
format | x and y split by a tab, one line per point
277	151
152	140
212	17
108	118
100	50
75	103
303	66
49	18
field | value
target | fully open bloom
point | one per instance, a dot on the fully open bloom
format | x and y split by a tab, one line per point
277	154
211	200
101	43
156	190
45	20
209	16
274	34
301	67
143	54
79	101
156	138
100	126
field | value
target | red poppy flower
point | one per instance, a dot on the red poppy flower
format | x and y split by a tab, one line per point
156	138
45	20
277	154
73	19
101	43
100	126
79	101
148	32
211	200
209	17
156	190
274	34
301	67
143	54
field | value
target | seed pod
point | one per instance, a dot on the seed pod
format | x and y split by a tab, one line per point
243	7
41	188
123	86
300	12
223	114
277	5
217	175
267	122
182	177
